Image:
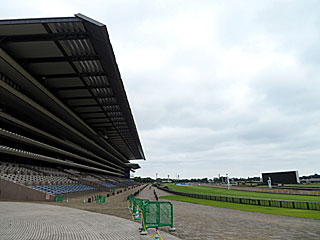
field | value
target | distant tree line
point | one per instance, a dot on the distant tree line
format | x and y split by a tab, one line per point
143	180
151	180
310	176
206	180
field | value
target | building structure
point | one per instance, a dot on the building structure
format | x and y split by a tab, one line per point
62	100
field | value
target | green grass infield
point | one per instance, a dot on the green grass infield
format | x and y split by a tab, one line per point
239	193
250	208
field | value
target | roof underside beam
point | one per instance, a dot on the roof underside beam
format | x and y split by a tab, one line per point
45	37
94	105
75	88
57	59
70	75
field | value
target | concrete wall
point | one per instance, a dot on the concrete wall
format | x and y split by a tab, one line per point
14	191
123	196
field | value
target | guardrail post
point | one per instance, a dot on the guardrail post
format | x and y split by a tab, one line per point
172	229
158	213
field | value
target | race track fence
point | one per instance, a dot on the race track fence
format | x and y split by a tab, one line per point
252	201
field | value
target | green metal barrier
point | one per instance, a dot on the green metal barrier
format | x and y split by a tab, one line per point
131	203
58	198
101	199
139	203
134	205
157	214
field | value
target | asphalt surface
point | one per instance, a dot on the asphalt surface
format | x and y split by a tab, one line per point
20	220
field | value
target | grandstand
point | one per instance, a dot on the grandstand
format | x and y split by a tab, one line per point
66	126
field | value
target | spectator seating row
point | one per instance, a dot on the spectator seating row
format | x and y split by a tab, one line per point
9	168
107	181
37	175
109	185
90	178
33	175
52	171
54	181
72	172
62	189
37	179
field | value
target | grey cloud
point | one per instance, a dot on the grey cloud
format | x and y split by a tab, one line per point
214	86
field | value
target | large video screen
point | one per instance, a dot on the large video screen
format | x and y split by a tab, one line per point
290	177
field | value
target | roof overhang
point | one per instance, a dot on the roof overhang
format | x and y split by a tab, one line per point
72	58
133	165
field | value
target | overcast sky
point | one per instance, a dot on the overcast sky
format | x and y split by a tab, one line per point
215	86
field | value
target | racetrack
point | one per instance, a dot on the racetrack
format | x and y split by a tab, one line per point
205	222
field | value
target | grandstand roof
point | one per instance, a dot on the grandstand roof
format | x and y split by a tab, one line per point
73	67
133	165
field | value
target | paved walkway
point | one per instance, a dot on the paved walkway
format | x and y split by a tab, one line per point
31	221
194	221
115	205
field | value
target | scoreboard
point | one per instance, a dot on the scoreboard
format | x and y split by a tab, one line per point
289	177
